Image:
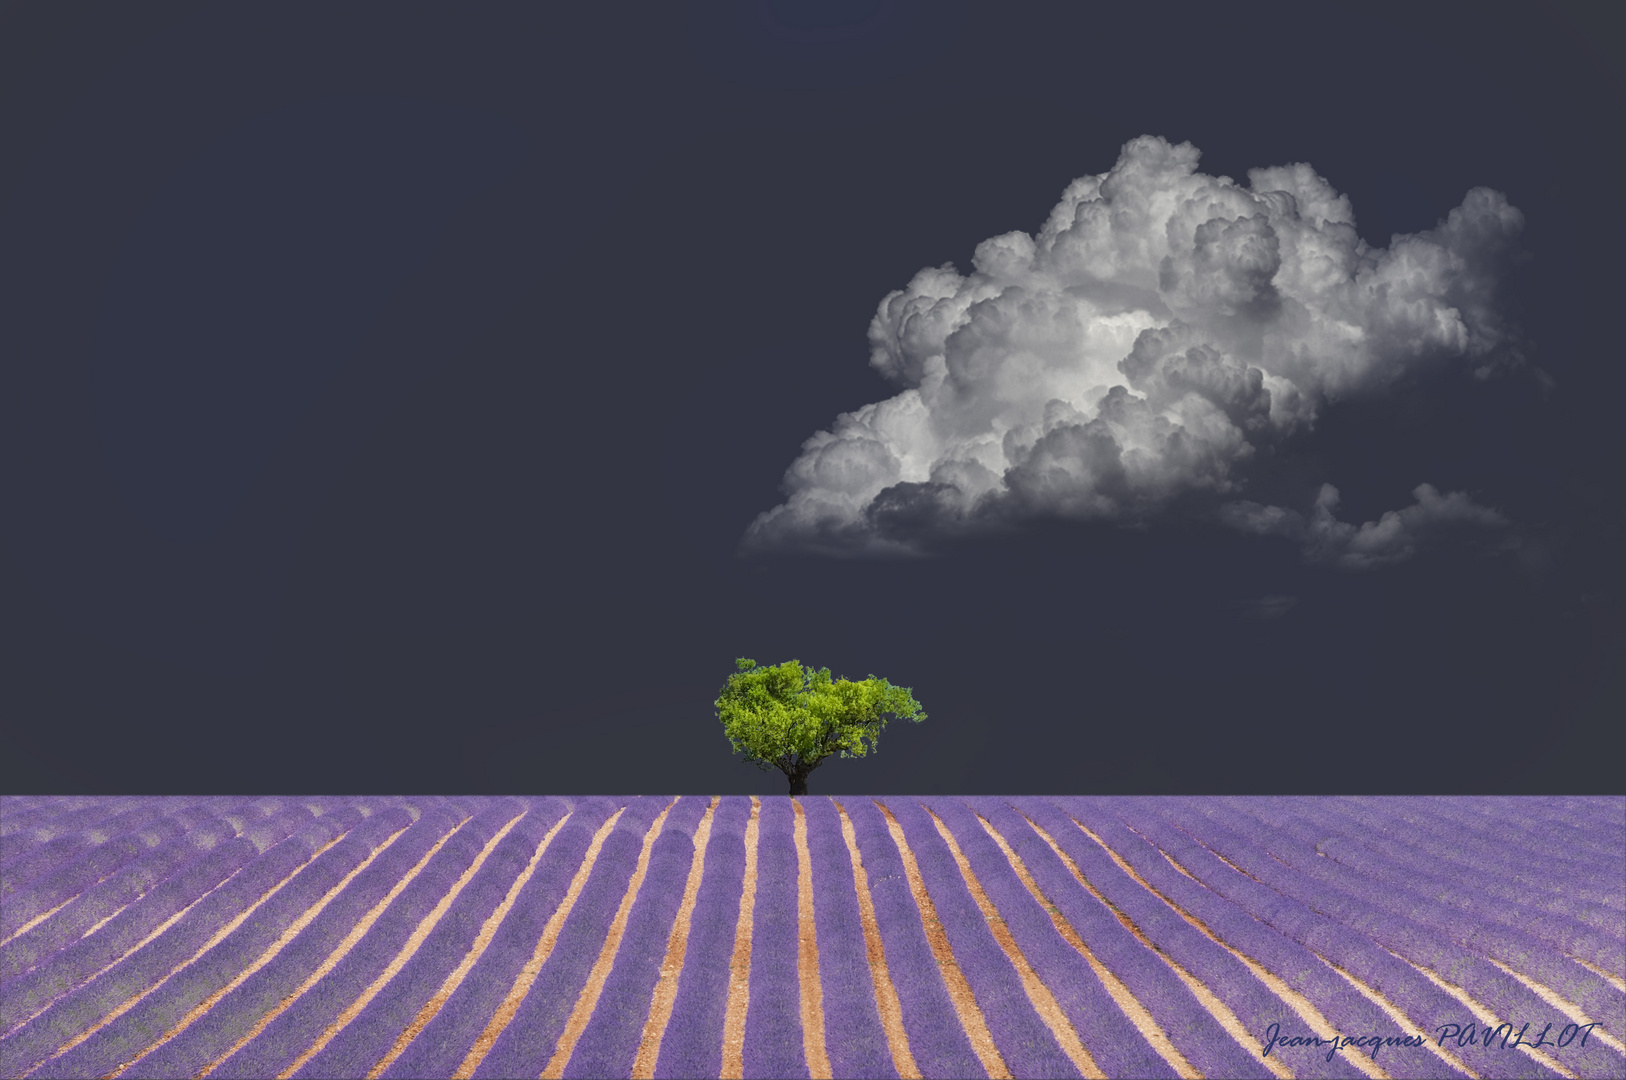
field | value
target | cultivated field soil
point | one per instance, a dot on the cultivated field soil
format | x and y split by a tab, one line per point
846	936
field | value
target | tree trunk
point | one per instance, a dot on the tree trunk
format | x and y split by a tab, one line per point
798	773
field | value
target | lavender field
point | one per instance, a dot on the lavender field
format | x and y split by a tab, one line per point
852	936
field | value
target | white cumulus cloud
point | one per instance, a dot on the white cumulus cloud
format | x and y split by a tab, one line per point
1131	356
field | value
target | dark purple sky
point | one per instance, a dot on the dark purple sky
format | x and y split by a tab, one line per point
385	390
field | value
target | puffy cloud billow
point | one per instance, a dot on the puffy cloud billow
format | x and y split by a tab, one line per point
1125	363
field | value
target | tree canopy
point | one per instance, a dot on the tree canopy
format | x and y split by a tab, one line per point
787	718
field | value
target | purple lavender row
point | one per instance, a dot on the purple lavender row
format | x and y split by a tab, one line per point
1589	873
1523	818
213	1034
609	1043
1310	923
1531	947
467	806
72	812
459	828
937	1040
16	804
56	886
1021	1036
19	815
1192	1029
70	969
1243	919
17	811
1476	850
96	903
130	1034
69	830
231	1018
26	873
773	1020
1496	822
1361	829
1254	1004
246	812
1602	841
1319	929
1582	811
363	1043
13	811
1349	946
237	1014
267	823
1412	919
26	831
1412	926
12	804
1472	840
1112	1040
1467	906
853	1036
526	1046
39	968
693	1042
443	1043
57	832
1501	875
1334	837
1418	999
81	1009
1059	966
20	812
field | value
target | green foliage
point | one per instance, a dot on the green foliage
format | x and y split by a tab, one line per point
791	719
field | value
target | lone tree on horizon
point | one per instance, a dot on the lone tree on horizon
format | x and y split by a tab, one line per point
789	719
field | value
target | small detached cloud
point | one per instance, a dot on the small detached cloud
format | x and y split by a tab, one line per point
1268	608
1135	353
1394	537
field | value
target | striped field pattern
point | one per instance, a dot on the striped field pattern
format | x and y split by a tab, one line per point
854	936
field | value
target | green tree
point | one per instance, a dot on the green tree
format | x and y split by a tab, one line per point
789	719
